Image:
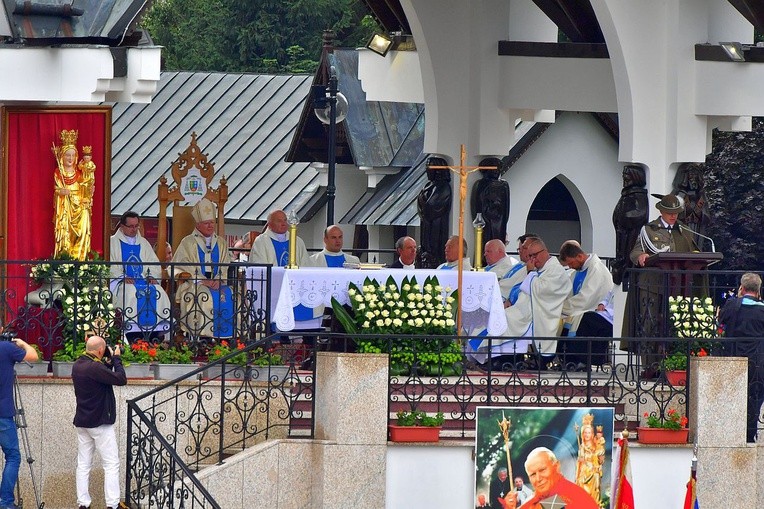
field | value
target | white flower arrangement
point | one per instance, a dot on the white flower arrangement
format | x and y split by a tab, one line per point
84	296
692	317
413	309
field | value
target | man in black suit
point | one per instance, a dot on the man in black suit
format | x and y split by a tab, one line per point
743	322
406	249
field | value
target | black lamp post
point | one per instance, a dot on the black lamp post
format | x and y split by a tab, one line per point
331	108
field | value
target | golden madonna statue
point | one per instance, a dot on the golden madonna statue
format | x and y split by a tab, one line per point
74	188
591	456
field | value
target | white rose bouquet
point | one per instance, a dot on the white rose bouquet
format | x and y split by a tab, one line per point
693	319
83	298
411	309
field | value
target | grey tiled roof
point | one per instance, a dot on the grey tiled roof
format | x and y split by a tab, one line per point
243	122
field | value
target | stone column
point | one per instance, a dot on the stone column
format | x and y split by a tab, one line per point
351	416
727	473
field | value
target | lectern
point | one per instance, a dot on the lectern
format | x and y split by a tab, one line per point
678	270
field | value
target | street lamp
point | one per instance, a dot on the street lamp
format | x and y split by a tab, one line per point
331	108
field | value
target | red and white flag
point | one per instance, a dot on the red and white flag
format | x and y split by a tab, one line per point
621	492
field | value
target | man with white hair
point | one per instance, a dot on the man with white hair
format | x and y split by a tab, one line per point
272	246
500	264
743	322
451	251
206	302
543	469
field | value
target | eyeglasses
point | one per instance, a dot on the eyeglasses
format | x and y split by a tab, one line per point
131	225
534	255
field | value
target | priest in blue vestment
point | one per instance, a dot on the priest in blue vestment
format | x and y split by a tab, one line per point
332	254
135	279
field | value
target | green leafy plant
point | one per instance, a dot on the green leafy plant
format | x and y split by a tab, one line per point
677	361
673	420
417	418
408	309
39	352
258	356
68	353
174	355
693	320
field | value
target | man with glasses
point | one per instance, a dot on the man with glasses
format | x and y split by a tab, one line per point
538	307
136	279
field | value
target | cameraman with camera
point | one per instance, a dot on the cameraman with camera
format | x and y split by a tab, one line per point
94	376
12	351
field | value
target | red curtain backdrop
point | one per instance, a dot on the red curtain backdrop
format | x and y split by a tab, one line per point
29	137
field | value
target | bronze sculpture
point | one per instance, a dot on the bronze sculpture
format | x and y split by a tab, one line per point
689	186
490	197
629	215
434	207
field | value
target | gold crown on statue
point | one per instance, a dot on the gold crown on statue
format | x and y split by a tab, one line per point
599	429
87	150
69	137
587	420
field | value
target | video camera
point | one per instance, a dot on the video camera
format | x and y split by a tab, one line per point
7	335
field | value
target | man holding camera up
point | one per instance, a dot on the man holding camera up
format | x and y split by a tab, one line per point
12	351
94	374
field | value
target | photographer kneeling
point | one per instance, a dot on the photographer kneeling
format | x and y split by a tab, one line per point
12	351
94	374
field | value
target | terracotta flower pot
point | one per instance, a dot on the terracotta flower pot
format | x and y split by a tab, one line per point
414	433
662	435
677	377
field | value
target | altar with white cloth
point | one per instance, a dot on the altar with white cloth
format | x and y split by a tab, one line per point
481	303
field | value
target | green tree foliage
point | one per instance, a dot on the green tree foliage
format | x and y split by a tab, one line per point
274	36
735	187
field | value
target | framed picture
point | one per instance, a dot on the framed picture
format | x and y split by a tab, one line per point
554	457
29	134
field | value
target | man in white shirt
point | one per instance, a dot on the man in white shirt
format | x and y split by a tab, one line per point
452	255
332	254
136	277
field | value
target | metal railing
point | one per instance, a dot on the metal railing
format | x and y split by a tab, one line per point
209	414
57	302
176	429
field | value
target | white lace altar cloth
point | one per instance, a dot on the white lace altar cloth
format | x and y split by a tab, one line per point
482	307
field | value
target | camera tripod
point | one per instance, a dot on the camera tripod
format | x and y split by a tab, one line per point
21	424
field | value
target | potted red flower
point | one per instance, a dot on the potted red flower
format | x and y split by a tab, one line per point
669	430
416	426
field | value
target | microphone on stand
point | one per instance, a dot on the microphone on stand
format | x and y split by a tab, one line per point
683	227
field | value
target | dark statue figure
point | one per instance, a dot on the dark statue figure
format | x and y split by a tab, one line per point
490	197
629	215
689	186
434	206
